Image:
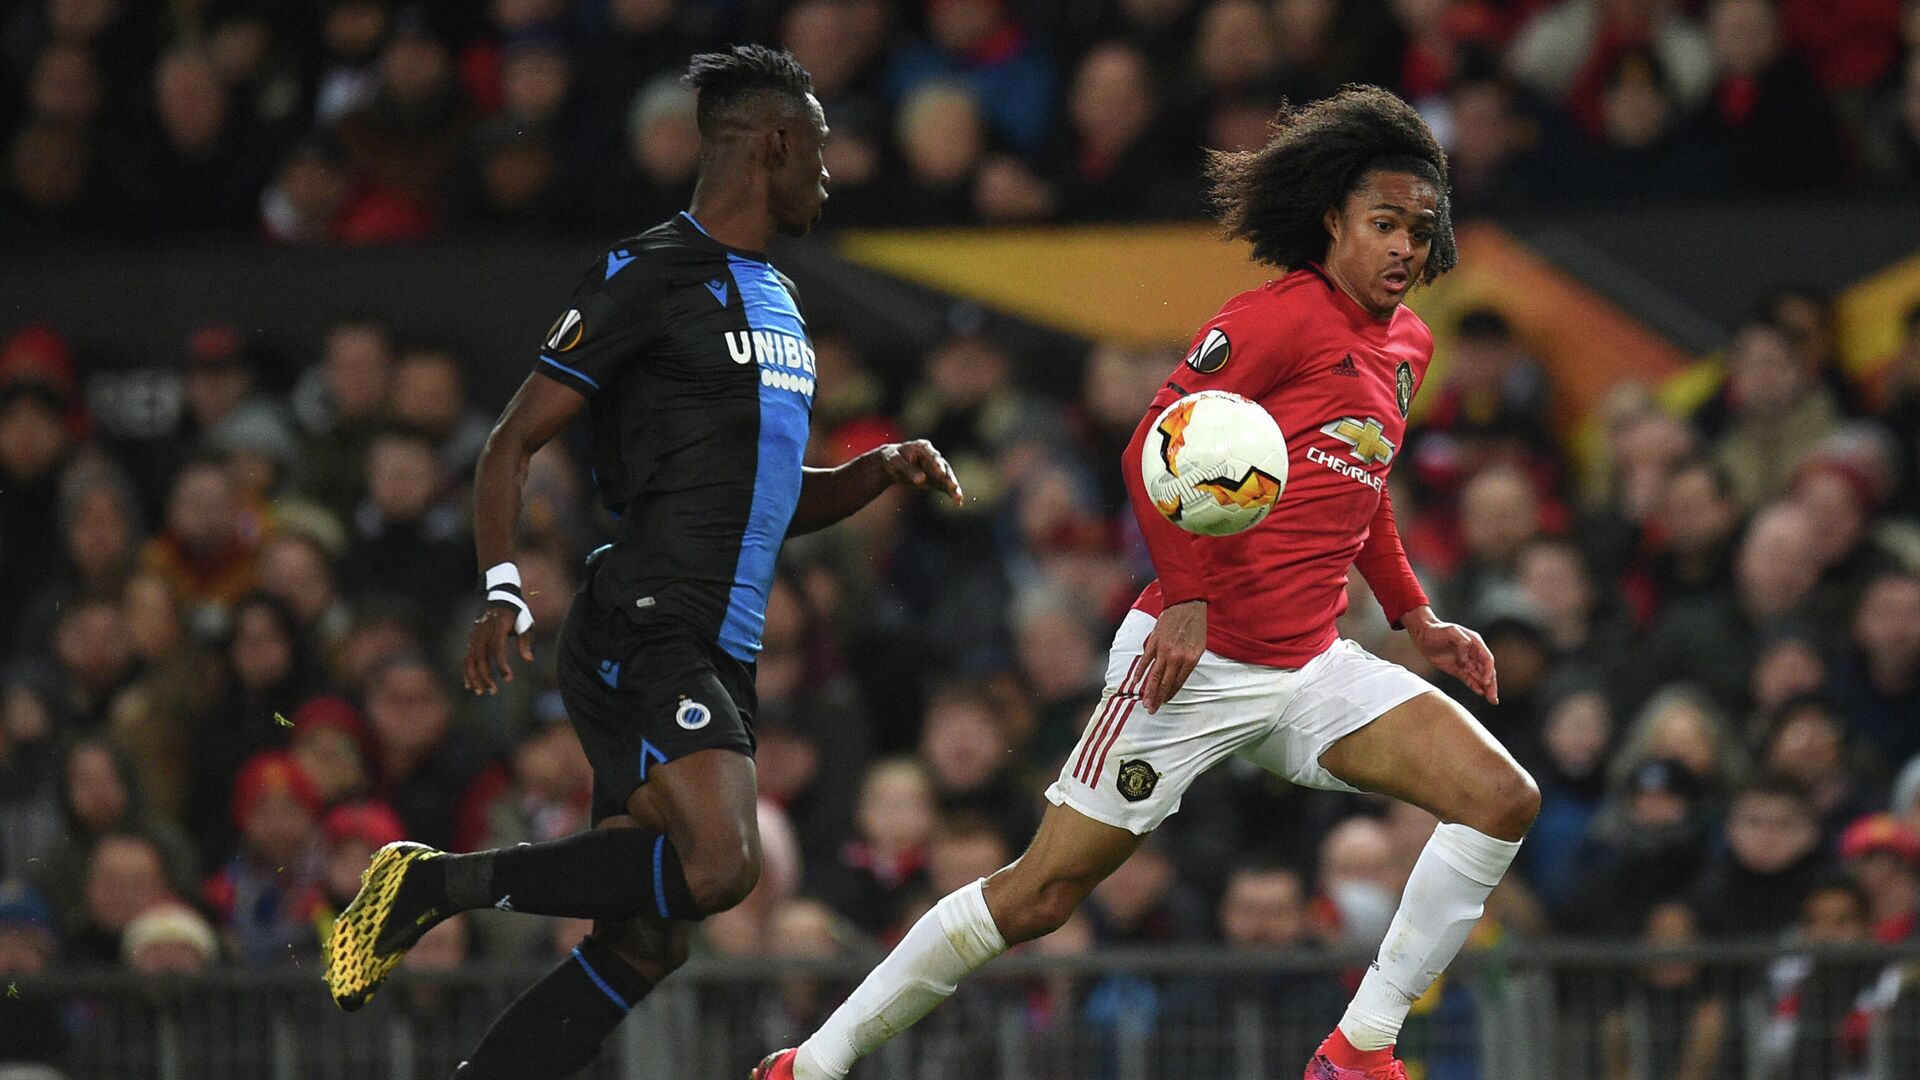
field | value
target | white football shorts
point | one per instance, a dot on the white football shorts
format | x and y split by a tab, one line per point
1131	767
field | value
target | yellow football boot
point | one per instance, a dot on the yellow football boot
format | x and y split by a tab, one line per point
364	948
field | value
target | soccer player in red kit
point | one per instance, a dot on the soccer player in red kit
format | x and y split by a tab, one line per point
1233	650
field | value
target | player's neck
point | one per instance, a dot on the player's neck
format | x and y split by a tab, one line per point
734	217
1340	283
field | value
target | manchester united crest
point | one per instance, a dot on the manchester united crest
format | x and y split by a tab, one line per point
1403	387
1136	780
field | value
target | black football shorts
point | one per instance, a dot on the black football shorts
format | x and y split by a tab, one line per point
645	691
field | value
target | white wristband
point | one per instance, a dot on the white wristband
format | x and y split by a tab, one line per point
503	586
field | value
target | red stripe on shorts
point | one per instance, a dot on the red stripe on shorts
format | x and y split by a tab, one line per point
1093	733
1100	766
1098	728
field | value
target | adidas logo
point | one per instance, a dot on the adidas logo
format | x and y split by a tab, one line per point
1346	367
505	903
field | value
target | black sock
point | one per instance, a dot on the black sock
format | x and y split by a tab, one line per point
555	1029
599	874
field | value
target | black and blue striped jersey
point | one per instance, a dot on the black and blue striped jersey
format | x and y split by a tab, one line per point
695	358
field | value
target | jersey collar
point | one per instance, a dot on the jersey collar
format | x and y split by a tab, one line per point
685	220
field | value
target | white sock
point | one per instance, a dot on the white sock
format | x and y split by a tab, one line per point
948	943
1445	897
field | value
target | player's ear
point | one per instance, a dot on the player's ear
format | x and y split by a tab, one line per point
776	147
1331	219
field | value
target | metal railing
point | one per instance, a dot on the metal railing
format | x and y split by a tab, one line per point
1552	1012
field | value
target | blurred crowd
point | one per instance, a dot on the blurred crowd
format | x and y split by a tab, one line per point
238	583
366	121
237	587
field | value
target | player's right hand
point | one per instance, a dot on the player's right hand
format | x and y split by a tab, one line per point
1172	651
487	650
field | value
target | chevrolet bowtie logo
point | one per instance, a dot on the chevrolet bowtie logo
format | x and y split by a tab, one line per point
1368	439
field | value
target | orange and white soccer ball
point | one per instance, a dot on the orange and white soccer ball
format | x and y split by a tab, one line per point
1214	463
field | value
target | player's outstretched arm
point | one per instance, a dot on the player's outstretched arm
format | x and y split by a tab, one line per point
538	411
1173	649
829	495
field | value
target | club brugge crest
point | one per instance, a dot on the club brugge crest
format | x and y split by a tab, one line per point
692	715
1136	780
1403	387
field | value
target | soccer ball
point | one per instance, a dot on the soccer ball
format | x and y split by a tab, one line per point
1214	463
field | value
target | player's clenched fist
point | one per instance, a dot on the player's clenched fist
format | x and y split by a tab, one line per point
1172	651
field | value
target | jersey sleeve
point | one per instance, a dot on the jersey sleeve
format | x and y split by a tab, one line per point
1246	349
614	315
1383	562
793	291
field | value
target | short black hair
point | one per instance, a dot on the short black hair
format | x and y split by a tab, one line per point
731	83
1797	706
1276	196
1839	881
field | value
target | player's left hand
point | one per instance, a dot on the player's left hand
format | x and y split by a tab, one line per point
918	464
487	650
1455	650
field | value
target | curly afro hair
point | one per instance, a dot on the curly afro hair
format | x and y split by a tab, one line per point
1276	196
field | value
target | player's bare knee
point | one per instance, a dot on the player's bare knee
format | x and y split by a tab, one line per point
1515	804
1046	907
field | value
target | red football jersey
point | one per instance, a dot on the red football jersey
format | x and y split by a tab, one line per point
1338	382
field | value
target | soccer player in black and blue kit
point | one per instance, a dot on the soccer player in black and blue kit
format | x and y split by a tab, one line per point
691	354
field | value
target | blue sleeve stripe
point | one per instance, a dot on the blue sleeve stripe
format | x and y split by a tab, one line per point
581	375
601	983
659	876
